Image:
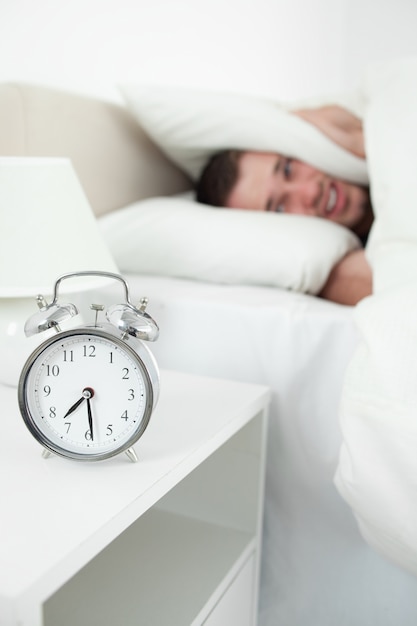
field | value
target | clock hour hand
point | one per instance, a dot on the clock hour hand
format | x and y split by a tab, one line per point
74	406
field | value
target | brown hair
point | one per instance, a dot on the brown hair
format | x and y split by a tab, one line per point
218	178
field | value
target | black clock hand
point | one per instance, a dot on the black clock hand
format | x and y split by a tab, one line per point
74	406
90	418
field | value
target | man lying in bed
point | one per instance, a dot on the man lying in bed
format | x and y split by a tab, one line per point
264	181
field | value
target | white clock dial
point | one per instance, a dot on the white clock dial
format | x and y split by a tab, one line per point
86	394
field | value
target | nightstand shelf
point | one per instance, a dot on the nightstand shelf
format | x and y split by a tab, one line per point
152	588
173	539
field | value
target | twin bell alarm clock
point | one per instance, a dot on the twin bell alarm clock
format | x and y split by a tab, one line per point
88	393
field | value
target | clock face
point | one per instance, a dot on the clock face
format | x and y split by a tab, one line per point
86	394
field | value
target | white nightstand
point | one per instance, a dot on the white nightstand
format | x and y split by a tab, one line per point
173	540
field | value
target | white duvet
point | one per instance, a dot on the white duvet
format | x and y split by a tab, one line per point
377	473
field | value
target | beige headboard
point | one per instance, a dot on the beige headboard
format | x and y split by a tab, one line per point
116	162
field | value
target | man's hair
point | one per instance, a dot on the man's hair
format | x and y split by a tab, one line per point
218	178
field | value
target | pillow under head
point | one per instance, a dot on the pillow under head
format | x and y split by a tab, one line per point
179	237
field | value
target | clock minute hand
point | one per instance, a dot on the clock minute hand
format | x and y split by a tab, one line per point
74	406
90	418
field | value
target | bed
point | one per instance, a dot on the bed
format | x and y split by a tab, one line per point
317	569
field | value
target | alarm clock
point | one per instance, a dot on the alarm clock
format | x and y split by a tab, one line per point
88	393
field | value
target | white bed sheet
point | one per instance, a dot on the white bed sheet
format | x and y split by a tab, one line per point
316	570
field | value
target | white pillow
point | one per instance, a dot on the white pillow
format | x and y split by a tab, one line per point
190	125
178	237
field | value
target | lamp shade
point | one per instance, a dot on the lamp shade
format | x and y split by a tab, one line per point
47	227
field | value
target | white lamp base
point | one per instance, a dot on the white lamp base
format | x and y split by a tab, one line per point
15	347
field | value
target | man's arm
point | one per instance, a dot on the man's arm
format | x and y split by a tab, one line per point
349	281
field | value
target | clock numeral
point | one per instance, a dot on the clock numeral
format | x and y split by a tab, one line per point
131	394
52	370
69	356
52	411
68	425
124	416
109	430
111	357
89	351
125	371
46	390
88	435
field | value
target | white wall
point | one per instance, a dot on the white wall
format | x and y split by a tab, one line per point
285	48
378	31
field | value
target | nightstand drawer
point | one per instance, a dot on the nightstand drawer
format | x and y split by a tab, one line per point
236	607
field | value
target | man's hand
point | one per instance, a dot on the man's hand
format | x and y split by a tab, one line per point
339	125
349	281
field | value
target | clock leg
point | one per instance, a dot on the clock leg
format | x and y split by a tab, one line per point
132	455
46	453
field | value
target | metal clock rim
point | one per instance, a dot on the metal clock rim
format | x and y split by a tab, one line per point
41	437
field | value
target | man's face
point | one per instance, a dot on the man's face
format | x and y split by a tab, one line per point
271	182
